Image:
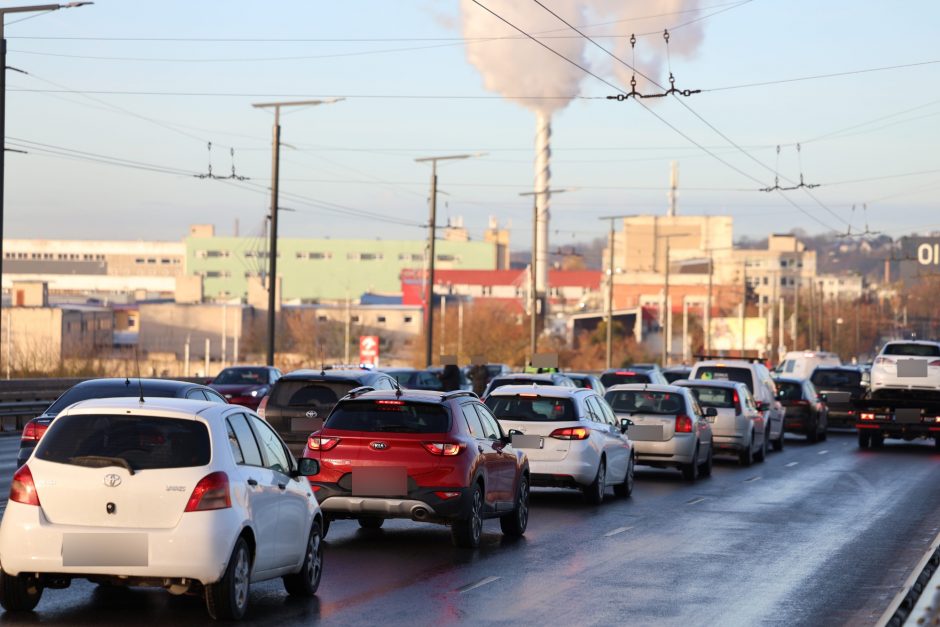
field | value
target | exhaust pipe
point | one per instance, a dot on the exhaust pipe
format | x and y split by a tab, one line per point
419	513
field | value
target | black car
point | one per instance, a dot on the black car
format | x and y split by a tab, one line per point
677	373
301	400
109	388
806	410
633	374
526	378
835	382
415	379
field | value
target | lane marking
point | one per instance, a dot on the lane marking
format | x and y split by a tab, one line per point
616	531
752	479
792	464
694	501
479	584
822	452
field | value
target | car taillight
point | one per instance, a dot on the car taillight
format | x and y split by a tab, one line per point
935	362
866	416
33	431
683	424
22	488
571	433
263	405
735	397
389	402
884	360
445	495
210	493
446	449
317	443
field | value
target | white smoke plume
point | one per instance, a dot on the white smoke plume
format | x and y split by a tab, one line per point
516	67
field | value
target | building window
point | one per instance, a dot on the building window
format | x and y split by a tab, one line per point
218	274
314	255
131	323
370	256
408	319
354	318
381	319
321	318
447	258
410	257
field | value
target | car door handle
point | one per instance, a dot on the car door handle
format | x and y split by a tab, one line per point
252	483
282	486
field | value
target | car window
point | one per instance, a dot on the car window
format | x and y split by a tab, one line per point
233	442
696	408
749	400
723	373
912	350
646	402
626	376
836	378
390	416
214	397
241	376
196	395
608	412
532	408
473	421
789	391
275	455
251	454
595	413
490	424
719	398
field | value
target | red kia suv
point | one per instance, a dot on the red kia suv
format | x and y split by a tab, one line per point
428	456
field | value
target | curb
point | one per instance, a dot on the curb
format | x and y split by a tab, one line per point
904	602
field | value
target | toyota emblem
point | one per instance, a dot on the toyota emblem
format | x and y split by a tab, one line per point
311	414
379	446
112	480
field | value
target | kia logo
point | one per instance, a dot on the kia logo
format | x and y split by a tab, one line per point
379	446
311	414
112	481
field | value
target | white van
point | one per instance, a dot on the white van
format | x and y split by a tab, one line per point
800	364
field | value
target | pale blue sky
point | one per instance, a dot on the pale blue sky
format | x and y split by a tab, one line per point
606	149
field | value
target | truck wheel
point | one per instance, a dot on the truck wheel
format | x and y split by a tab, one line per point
864	439
877	440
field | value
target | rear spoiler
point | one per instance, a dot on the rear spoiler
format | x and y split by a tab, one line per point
752	360
353	393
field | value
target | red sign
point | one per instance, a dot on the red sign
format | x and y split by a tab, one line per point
369	349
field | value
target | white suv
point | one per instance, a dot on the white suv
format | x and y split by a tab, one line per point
180	494
908	365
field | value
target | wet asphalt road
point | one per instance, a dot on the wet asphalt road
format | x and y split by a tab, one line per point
818	535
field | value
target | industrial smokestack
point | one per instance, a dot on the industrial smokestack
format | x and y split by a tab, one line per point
673	186
543	180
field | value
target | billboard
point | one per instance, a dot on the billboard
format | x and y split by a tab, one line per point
726	334
920	256
369	349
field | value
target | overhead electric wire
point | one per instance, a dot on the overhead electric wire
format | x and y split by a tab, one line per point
820	76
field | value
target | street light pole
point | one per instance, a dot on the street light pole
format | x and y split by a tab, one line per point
432	236
275	184
36	8
609	319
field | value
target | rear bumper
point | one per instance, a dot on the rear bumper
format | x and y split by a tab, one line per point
561	474
728	442
197	548
900	431
674	452
422	504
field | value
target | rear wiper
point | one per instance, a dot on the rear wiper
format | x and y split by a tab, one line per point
103	460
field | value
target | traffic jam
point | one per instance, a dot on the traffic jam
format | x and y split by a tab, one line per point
207	489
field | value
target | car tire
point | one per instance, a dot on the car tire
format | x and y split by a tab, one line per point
625	489
761	454
371	522
305	582
812	436
746	456
936	443
864	439
515	522
594	493
778	443
227	599
327	521
877	440
466	532
690	470
19	593
705	470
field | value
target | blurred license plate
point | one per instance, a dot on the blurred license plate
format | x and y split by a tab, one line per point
528	441
912	368
907	415
392	481
650	433
104	549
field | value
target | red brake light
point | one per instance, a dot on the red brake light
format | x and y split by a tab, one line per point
867	416
801	402
210	493
262	405
384	402
33	431
445	449
317	443
736	398
571	433
628	373
22	488
588	386
445	495
683	424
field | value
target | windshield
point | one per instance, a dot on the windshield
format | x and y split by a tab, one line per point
645	402
836	378
110	389
540	409
720	373
912	350
721	398
242	376
133	442
615	378
389	416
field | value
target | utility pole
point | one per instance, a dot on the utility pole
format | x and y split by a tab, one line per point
708	306
275	182
432	237
533	289
35	8
743	314
610	286
346	334
667	312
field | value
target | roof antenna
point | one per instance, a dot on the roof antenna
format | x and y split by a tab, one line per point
320	352
397	387
140	386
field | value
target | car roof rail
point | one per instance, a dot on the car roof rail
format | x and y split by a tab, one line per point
362	389
457	394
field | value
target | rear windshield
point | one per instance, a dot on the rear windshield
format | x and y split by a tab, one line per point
242	376
787	391
539	409
912	350
720	373
722	398
114	389
389	416
615	378
499	382
676	375
134	442
308	394
645	402
836	378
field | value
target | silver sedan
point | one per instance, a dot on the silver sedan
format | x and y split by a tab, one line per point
668	427
739	426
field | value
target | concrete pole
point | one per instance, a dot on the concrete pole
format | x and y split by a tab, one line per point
443	339
610	295
743	313
348	324
685	329
235	345
781	346
665	316
224	332
708	306
794	325
432	237
208	356
459	328
9	326
186	357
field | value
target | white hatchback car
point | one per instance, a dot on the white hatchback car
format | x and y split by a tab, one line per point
908	365
667	426
181	494
739	426
570	435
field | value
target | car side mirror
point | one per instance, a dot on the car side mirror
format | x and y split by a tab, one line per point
307	467
507	439
625	423
824	398
710	412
